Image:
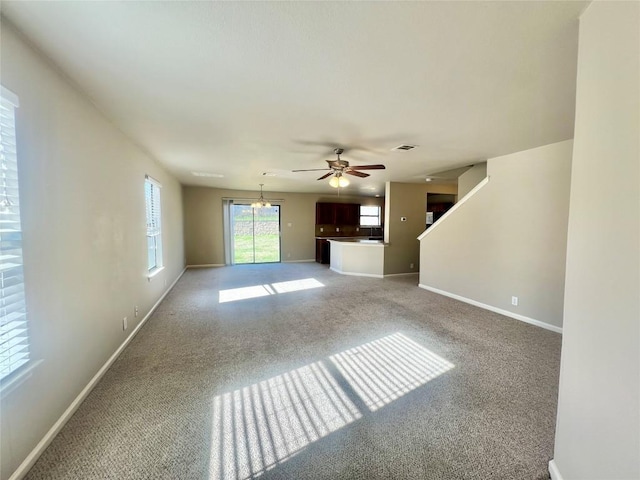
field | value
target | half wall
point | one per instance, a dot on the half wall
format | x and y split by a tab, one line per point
509	239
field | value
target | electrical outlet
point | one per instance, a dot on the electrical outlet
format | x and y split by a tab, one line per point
357	229
321	229
411	265
135	311
124	323
337	229
514	301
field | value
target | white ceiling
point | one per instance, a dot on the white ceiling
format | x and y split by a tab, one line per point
239	88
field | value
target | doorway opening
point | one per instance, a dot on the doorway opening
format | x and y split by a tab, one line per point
256	234
437	206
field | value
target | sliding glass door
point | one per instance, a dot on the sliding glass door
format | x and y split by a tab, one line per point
256	234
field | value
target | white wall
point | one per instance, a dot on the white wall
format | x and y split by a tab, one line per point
509	239
598	426
83	214
471	178
366	259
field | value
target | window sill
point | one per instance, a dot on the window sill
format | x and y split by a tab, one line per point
154	272
21	375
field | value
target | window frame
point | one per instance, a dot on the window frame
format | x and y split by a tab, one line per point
378	217
153	215
15	348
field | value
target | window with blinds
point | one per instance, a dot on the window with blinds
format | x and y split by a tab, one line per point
154	226
14	340
370	216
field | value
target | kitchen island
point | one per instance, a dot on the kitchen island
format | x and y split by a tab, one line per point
353	256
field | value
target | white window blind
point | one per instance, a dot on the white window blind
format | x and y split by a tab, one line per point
154	223
370	216
14	340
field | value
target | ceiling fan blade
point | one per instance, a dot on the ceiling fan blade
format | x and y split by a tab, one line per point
326	175
312	170
367	167
356	173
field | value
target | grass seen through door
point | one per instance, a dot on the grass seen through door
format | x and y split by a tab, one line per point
264	231
267	249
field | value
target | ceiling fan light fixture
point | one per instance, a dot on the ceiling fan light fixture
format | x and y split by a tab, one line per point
337	168
338	181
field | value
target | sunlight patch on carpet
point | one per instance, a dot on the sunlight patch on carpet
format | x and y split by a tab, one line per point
386	369
296	285
259	426
256	291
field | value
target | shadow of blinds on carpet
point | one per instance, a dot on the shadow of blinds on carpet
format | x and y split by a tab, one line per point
386	369
259	426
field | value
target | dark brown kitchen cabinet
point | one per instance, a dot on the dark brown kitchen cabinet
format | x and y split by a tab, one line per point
323	251
325	214
347	214
340	214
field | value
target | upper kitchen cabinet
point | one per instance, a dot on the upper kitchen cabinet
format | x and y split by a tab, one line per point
325	214
347	213
337	214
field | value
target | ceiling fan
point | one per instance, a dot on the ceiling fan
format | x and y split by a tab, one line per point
339	167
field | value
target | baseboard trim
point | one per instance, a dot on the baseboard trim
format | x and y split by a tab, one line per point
372	275
212	265
33	456
206	265
553	471
400	274
506	313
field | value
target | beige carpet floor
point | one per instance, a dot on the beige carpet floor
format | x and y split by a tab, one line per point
290	371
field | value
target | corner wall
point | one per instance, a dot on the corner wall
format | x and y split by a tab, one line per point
407	200
598	426
84	231
471	178
509	239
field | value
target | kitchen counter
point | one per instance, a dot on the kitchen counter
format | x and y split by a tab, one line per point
366	241
323	253
362	237
357	256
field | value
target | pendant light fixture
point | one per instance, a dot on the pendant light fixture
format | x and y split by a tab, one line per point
261	203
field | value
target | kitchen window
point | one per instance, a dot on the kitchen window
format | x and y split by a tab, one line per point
154	224
14	335
370	216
